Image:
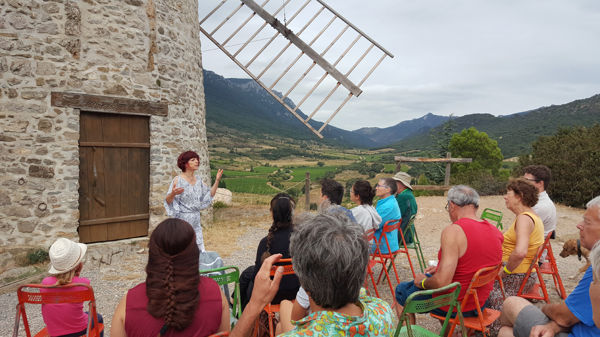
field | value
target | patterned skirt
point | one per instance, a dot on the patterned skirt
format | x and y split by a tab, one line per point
511	283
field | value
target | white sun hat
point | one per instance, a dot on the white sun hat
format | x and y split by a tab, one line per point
65	255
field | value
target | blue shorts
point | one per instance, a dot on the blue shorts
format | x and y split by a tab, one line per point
405	289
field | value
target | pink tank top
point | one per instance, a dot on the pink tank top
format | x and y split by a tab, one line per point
207	319
64	318
484	249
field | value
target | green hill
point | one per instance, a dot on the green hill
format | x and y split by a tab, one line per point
515	132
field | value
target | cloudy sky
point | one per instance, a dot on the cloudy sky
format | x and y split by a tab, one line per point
460	57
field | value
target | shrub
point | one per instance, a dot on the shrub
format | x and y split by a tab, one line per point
294	192
573	155
219	204
482	181
313	206
37	256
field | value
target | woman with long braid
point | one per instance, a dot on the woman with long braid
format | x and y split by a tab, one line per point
277	241
175	300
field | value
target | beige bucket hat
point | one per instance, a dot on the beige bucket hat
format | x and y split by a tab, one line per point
65	255
404	178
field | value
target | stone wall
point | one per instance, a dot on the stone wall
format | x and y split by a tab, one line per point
140	49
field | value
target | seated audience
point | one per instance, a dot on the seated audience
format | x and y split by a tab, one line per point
572	317
330	256
521	242
595	286
276	242
365	214
66	262
332	194
467	245
388	209
175	300
539	176
406	201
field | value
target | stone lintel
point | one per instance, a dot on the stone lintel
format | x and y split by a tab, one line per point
108	104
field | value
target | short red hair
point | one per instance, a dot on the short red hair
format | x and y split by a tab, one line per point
185	157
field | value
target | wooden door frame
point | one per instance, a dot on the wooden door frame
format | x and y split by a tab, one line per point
110	105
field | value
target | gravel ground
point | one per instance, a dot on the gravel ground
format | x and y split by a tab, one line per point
115	267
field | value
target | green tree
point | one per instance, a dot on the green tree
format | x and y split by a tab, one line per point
573	155
470	143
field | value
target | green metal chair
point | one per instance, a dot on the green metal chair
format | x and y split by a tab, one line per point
224	276
493	216
415	306
415	244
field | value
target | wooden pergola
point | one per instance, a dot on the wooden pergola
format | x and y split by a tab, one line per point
448	160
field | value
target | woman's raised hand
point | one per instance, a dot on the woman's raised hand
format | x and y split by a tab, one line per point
219	174
176	190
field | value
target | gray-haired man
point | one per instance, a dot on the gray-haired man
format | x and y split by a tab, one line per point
467	245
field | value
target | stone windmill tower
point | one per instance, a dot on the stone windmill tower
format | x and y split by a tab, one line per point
97	98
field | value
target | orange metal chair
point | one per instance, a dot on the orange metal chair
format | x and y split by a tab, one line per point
550	267
534	292
271	309
370	235
383	258
486	317
54	297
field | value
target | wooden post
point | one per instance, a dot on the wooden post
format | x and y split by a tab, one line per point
307	190
447	176
448	160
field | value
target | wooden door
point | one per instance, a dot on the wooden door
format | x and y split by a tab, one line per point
114	174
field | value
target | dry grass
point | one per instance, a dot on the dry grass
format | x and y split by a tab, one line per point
231	223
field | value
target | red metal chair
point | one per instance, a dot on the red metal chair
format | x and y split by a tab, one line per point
54	297
550	267
534	292
486	317
383	258
370	235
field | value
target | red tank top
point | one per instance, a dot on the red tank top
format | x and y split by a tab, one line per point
484	249
207	319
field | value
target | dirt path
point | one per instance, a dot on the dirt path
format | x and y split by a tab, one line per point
115	267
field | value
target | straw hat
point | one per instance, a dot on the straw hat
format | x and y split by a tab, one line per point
404	178
65	255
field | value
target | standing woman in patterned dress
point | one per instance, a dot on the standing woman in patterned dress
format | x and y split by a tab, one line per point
188	195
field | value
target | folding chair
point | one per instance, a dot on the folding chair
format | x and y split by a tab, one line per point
415	244
447	297
224	276
48	296
370	235
550	267
486	317
383	258
534	292
271	309
493	216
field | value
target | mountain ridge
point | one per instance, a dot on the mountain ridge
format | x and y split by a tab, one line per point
242	104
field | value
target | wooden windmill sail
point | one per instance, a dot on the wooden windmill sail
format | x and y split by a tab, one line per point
280	61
